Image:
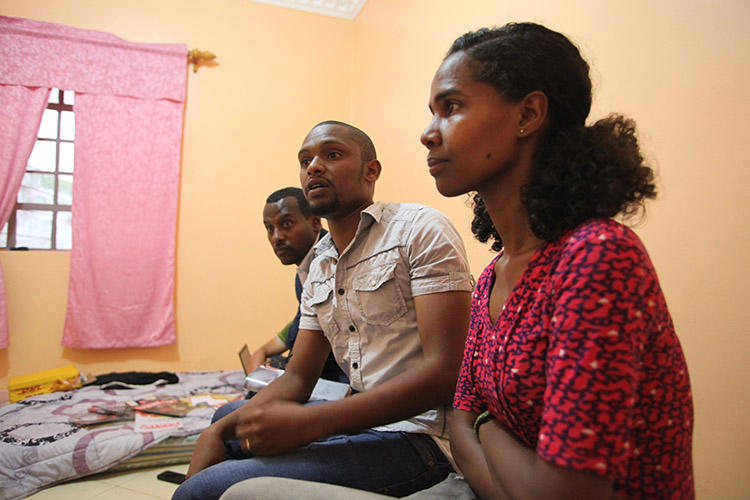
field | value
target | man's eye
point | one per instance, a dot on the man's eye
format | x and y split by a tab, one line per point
287	224
334	155
304	162
450	107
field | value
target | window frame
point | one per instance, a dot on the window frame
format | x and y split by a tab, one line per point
54	207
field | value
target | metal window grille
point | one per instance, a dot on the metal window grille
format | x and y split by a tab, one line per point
41	217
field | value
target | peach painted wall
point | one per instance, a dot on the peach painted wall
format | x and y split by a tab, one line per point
679	68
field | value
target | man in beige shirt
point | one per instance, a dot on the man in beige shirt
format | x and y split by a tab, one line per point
389	292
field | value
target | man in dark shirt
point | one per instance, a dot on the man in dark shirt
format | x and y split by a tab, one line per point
292	231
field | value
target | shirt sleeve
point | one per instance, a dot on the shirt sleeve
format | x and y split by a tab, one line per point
437	258
308	317
597	332
283	333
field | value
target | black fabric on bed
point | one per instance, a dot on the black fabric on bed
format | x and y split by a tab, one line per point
124	380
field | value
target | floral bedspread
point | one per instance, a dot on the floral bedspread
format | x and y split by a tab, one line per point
40	448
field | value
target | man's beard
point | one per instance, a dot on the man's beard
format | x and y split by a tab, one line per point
333	205
326	207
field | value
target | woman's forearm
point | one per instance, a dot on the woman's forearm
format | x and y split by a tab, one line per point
468	454
522	473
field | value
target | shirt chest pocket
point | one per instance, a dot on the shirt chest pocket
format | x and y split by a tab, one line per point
379	295
322	302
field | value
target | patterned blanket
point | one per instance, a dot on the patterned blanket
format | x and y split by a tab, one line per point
40	448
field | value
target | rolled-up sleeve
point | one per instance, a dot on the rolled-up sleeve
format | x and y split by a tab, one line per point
437	256
308	318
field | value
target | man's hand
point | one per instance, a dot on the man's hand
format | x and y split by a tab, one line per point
276	427
209	450
258	358
273	346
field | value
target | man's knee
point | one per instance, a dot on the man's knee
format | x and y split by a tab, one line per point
226	409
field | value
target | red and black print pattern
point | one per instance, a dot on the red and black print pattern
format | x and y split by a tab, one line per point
583	363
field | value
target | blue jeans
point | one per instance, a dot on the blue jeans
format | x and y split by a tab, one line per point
232	446
391	463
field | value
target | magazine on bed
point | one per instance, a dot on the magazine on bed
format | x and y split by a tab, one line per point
170	407
159	405
112	408
89	418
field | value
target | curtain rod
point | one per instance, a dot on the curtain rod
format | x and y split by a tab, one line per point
198	57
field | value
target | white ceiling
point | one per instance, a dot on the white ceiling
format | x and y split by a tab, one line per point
347	9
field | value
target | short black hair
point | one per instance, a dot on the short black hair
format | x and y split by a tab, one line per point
280	194
366	147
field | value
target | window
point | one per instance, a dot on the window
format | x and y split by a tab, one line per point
41	218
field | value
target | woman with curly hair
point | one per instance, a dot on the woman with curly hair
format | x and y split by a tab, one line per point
573	383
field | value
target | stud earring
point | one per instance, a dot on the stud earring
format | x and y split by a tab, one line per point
521	132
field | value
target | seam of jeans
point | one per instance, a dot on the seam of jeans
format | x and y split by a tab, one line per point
426	448
409	483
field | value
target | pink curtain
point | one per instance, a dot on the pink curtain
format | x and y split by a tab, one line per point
123	259
21	111
128	104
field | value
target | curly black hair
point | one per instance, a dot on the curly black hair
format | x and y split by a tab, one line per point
579	172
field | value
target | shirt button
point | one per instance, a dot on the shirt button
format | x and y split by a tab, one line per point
355	365
351	328
341	291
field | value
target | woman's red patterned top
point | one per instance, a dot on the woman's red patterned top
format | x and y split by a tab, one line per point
583	363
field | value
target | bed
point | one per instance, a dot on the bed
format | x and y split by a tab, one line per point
39	447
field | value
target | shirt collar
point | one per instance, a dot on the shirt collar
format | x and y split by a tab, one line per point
375	211
369	216
304	265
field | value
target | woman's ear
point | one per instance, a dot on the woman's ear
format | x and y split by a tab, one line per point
534	107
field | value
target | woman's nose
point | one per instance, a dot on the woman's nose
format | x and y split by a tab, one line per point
430	136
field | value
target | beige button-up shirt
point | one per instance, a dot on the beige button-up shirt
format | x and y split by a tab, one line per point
363	298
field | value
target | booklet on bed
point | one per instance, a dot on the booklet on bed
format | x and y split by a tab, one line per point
323	390
89	418
112	408
149	422
164	405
